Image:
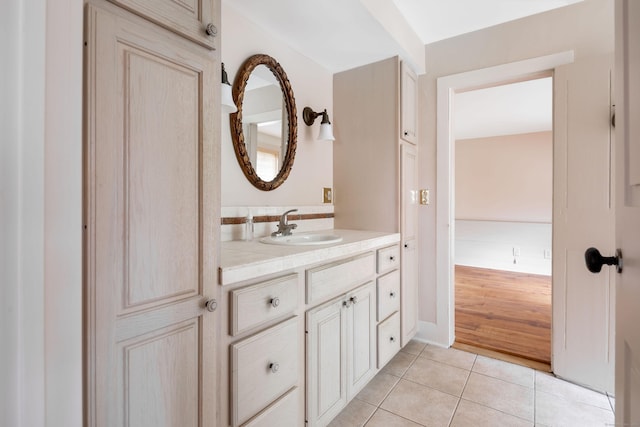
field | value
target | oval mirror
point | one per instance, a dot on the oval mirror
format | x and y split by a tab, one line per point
264	129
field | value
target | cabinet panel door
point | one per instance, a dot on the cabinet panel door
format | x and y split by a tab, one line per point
408	104
188	18
409	231
361	338
150	214
326	362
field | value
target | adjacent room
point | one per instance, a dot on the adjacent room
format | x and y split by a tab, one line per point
503	212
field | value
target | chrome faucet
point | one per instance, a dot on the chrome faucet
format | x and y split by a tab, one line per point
284	228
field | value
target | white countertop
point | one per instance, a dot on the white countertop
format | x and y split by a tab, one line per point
241	260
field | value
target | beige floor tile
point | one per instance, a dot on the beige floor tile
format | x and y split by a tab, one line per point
450	356
474	414
547	383
356	414
506	371
446	378
399	364
383	418
553	410
414	347
378	388
511	398
420	404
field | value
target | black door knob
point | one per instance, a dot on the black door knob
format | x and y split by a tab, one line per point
595	260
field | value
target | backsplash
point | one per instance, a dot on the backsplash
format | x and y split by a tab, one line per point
308	218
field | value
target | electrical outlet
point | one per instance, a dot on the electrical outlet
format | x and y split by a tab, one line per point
327	195
516	251
547	254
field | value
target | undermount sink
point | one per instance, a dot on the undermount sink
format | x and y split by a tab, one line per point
302	239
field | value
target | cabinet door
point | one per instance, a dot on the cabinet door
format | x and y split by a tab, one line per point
408	104
151	221
196	20
361	338
409	232
326	362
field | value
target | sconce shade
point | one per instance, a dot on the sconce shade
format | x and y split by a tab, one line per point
326	129
228	105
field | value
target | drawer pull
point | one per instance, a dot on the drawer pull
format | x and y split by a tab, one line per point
211	30
274	367
354	299
392	258
275	302
392	339
211	305
392	294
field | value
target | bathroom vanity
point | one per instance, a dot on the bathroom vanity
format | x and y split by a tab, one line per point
305	327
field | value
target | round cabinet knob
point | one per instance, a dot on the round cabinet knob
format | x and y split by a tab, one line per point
354	299
392	294
346	303
392	339
211	30
392	258
406	133
275	302
406	245
211	305
274	367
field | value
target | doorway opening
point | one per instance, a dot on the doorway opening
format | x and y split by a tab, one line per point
503	193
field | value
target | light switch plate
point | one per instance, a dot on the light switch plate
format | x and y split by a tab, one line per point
327	195
424	197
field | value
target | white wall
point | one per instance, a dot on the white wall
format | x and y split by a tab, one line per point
312	86
586	28
40	213
505	178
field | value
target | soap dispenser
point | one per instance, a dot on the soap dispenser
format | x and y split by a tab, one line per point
248	226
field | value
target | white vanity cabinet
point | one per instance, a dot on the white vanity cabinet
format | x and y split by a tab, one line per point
300	343
375	164
341	337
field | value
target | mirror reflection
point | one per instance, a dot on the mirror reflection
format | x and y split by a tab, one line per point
264	123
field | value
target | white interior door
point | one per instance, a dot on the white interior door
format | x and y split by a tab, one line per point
628	211
583	302
151	217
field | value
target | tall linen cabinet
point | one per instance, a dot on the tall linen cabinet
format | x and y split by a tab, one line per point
151	213
375	164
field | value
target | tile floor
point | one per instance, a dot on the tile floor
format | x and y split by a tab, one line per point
424	385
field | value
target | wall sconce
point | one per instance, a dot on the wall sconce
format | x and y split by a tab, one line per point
326	130
228	105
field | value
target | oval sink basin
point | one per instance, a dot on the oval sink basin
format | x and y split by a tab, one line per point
302	239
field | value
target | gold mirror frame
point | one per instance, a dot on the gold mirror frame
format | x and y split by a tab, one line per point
235	119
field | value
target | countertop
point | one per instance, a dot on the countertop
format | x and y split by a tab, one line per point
242	260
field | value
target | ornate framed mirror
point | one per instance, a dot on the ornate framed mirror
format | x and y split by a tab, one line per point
264	129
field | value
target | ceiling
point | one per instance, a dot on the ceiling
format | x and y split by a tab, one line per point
343	34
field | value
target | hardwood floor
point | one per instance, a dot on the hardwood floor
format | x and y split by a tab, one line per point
504	311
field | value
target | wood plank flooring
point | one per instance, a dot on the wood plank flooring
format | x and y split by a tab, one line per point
504	311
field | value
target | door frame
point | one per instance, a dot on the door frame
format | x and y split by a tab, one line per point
443	330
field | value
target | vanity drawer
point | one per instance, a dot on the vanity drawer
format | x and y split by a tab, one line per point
388	294
388	258
388	339
339	276
285	412
264	367
256	304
